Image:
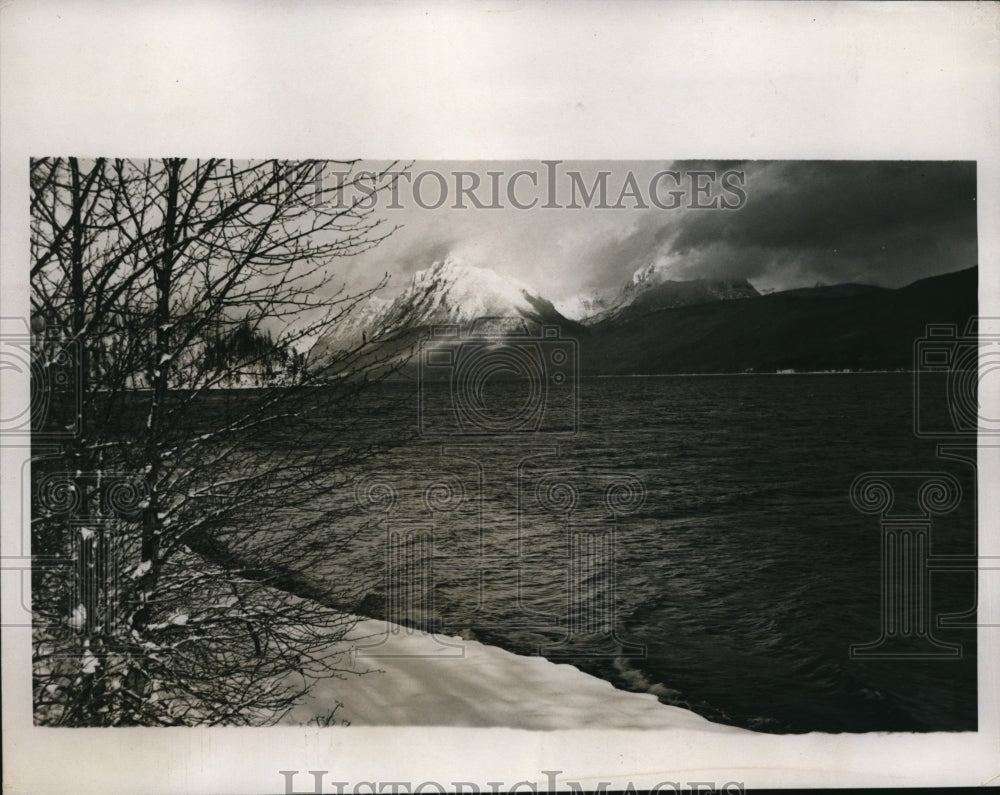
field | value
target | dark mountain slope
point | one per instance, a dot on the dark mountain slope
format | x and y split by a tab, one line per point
818	330
834	290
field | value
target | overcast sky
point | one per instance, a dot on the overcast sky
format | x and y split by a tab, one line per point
801	223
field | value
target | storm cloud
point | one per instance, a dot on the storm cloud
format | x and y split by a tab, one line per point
874	222
803	223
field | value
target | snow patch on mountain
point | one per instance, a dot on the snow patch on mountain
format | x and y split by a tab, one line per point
650	288
448	292
584	305
452	292
656	275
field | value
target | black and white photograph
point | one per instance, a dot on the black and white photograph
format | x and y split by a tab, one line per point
358	448
699	462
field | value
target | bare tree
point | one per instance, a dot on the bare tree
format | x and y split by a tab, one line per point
178	503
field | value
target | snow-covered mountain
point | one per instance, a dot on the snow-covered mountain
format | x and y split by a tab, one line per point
352	328
650	289
452	292
448	292
583	306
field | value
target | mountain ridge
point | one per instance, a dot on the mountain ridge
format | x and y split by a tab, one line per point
650	288
835	327
780	331
448	292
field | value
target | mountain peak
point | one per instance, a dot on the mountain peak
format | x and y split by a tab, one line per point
669	294
655	275
648	275
650	290
449	291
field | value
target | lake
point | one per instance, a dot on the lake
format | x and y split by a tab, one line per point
694	538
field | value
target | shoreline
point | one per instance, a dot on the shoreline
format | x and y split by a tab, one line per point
384	674
408	677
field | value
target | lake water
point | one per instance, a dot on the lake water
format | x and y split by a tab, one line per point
694	538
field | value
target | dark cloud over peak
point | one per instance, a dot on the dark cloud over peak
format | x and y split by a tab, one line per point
804	205
886	223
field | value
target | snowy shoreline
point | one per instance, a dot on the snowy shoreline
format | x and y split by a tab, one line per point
412	678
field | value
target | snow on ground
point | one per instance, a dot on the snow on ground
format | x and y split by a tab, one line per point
418	680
